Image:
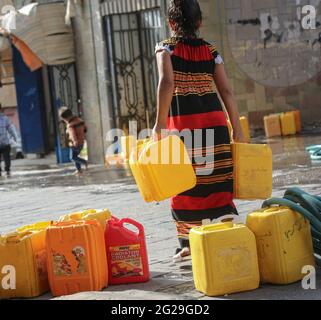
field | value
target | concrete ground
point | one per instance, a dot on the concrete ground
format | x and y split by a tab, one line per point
40	190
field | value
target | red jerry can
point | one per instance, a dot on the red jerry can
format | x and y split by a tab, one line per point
126	252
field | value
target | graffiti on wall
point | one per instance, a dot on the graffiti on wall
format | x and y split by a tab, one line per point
269	42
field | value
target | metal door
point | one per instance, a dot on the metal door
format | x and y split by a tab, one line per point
131	43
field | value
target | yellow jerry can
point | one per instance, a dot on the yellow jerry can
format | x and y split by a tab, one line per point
142	142
24	260
39	226
162	169
272	125
245	129
252	171
102	216
284	244
128	143
224	259
288	125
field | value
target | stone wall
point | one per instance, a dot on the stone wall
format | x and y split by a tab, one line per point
273	64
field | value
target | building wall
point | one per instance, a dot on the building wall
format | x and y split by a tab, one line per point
8	97
92	77
91	71
275	75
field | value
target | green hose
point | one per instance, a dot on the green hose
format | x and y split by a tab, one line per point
315	152
307	205
313	149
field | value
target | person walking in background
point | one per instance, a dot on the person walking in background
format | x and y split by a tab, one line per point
76	131
191	77
7	131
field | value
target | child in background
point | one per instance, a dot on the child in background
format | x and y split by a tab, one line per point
76	131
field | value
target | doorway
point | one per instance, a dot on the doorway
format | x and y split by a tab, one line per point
131	39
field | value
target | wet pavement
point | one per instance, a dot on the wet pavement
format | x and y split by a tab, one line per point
40	190
291	165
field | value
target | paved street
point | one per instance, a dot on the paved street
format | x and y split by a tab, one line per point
39	190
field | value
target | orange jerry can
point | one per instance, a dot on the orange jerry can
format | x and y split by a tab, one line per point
76	257
298	123
126	252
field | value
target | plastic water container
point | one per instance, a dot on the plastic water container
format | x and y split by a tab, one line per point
101	215
25	251
272	125
114	160
76	257
162	169
128	143
224	259
246	129
126	252
298	123
288	126
284	244
252	171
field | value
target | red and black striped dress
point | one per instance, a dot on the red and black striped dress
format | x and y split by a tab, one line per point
196	106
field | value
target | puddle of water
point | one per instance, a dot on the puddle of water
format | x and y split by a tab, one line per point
35	178
292	165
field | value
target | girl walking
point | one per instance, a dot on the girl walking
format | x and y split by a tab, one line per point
191	76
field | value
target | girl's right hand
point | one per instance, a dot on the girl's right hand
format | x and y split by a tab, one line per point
238	136
159	132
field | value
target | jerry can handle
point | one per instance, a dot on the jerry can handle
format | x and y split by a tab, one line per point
235	218
145	148
273	208
217	226
138	151
16	236
70	223
132	222
65	223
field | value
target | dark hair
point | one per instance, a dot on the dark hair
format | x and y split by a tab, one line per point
186	15
65	113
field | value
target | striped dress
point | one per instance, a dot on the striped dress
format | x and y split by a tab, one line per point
196	106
